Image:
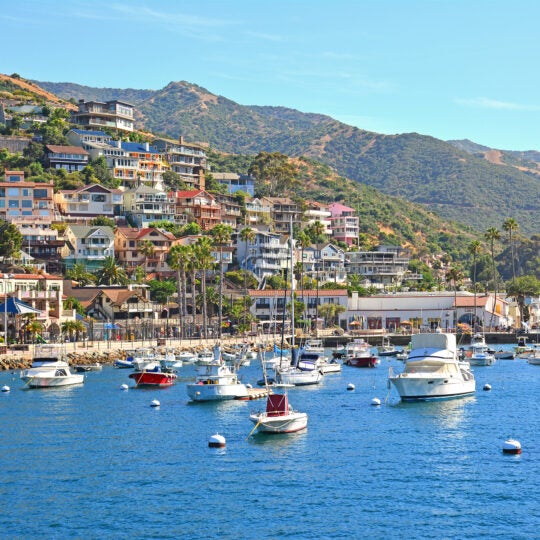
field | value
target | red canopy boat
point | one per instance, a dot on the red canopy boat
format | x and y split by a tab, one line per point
153	377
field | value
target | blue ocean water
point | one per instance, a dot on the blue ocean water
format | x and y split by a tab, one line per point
97	462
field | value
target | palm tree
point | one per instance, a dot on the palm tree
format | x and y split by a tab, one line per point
192	268
111	273
520	288
303	241
491	235
454	276
34	327
79	274
222	236
72	327
247	235
474	248
147	249
178	260
510	225
203	253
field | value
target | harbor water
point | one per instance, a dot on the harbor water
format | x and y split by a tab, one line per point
96	461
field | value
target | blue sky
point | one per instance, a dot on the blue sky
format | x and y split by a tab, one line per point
461	69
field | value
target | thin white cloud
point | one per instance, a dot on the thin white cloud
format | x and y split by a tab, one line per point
275	38
487	103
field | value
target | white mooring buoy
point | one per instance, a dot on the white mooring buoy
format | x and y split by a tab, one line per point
350	386
216	441
376	401
511	446
155	403
124	387
6	388
487	387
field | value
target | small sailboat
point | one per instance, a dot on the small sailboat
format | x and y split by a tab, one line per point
278	416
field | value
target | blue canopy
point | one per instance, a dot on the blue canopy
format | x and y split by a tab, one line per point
14	306
110	326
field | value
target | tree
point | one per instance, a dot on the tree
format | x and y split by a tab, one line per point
34	327
73	327
79	274
103	221
10	240
178	259
147	249
520	288
174	181
111	273
222	235
510	225
202	250
73	303
274	173
491	235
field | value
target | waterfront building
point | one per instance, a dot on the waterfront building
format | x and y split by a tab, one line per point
88	202
268	305
129	251
258	213
69	158
283	212
114	114
427	311
144	205
89	245
197	205
236	182
266	255
188	160
344	223
385	267
43	292
318	212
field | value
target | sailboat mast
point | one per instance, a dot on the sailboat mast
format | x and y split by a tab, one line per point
292	279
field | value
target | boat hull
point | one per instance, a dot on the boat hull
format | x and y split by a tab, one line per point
289	423
148	378
50	381
429	389
299	377
362	361
216	392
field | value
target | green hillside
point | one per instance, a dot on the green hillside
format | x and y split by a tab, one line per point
453	182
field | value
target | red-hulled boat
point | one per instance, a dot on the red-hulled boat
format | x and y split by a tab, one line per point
358	354
153	377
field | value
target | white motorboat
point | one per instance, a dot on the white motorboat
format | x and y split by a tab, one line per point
314	346
279	416
187	357
386	348
170	360
217	382
50	369
205	358
298	377
501	354
478	353
534	357
144	358
433	370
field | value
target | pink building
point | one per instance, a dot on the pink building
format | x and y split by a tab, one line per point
344	224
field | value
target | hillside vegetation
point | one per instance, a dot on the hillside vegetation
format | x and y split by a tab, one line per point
450	180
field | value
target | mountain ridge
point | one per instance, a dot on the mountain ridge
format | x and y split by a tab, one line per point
454	179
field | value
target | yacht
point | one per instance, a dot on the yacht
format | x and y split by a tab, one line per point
479	353
433	370
358	354
217	381
50	369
